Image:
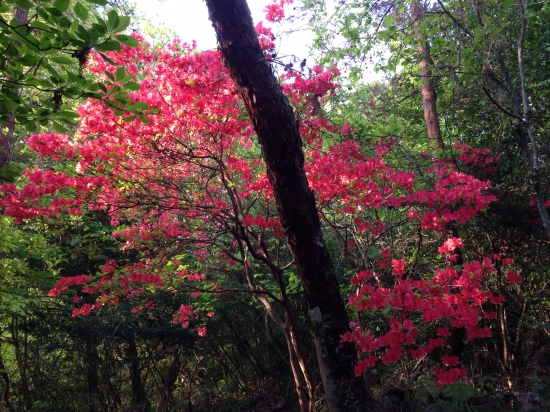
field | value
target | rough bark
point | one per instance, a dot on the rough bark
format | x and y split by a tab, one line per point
278	135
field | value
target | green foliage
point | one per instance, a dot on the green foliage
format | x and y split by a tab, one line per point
43	47
455	398
27	266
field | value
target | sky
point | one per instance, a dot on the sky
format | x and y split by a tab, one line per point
189	19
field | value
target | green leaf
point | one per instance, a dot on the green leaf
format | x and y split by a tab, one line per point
74	26
68	115
140	106
40	25
96	87
119	74
54	12
112	20
109	45
129	119
44	14
24	4
83	34
121	98
11	50
127	40
124	22
110	76
62	5
100	2
144	119
388	21
59	128
80	11
133	86
45	43
10	172
108	60
63	60
30	127
373	252
101	26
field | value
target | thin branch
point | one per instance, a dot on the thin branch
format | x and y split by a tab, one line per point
230	290
454	20
500	107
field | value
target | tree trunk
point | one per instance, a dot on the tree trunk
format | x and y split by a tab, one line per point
6	391
92	378
535	172
169	381
277	130
455	342
523	132
24	400
427	89
6	130
139	398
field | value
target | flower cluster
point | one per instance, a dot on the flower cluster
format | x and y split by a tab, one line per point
453	298
186	312
63	284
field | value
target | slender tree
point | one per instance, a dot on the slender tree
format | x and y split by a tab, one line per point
279	137
455	344
21	16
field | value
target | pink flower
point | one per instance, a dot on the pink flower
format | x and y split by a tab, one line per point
450	245
450	376
363	365
513	277
450	360
398	266
347	129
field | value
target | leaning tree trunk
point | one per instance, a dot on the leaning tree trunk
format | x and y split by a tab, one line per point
278	135
455	342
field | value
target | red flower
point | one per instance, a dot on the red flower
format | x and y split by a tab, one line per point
513	277
450	360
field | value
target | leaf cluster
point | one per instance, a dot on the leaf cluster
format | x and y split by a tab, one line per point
43	48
